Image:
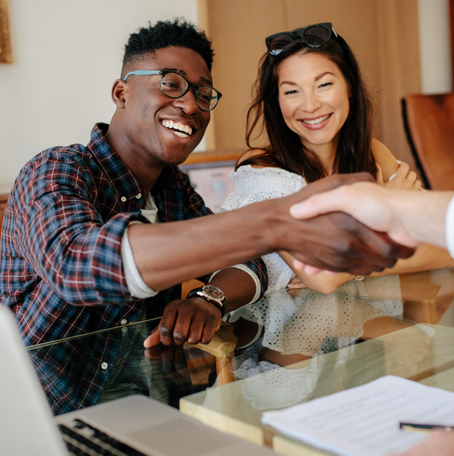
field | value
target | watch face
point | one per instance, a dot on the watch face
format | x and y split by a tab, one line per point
213	292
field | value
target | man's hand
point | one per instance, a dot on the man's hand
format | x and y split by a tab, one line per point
391	212
191	320
336	241
367	203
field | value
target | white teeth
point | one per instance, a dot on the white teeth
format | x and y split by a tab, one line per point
178	128
316	121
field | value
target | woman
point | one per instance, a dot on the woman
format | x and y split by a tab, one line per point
317	113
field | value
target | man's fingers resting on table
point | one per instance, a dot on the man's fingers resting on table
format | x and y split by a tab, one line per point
187	320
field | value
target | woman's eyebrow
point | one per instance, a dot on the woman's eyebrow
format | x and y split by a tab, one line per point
320	76
288	82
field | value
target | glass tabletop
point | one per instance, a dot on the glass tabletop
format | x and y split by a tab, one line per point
288	348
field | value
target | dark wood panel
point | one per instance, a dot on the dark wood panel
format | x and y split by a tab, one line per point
400	69
238	29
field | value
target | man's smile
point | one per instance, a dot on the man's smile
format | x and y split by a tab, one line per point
178	128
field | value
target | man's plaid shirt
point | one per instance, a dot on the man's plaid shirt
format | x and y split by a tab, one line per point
61	270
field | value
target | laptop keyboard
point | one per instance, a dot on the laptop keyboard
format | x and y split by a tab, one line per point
83	439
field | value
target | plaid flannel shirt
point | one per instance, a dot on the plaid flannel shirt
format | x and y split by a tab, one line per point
61	269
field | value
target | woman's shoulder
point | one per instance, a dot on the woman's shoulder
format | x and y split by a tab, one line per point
251	172
383	156
252	153
253	184
262	175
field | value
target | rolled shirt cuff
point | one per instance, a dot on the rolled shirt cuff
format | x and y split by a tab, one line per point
136	286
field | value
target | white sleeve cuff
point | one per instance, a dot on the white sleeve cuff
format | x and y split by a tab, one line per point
243	267
449	227
136	286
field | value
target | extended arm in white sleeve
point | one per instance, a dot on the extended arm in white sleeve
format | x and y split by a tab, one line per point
449	227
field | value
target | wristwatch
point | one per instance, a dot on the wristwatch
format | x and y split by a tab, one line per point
211	294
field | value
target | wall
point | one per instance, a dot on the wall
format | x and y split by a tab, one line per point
383	33
66	56
434	45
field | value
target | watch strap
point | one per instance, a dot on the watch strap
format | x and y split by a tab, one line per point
199	292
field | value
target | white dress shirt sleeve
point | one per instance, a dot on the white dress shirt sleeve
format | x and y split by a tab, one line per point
137	287
449	226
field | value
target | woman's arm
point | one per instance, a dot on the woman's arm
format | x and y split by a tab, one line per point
425	258
392	173
322	283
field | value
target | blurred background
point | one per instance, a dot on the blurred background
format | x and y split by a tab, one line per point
66	55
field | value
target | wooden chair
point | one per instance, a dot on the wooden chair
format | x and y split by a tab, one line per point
429	126
222	347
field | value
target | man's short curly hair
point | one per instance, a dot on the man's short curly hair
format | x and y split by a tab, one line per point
178	32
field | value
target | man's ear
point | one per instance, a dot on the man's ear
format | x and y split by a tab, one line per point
118	93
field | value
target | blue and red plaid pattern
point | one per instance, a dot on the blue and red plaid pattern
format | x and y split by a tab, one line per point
61	270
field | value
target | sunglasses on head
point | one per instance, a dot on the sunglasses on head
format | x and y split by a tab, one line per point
312	35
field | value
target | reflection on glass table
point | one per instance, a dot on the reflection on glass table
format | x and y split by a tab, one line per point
291	347
307	345
70	375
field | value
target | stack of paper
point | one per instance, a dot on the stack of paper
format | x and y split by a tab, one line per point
364	421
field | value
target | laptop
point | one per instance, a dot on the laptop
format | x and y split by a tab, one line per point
134	425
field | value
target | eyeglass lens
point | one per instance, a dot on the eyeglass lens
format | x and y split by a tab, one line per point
313	36
174	86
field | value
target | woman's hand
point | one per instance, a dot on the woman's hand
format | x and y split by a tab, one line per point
296	283
404	179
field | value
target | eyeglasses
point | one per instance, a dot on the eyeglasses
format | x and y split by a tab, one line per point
313	36
174	85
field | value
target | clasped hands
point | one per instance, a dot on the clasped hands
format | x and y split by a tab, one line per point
332	241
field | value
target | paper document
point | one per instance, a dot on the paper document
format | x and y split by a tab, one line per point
364	421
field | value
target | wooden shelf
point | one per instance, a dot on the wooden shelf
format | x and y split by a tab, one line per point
214	156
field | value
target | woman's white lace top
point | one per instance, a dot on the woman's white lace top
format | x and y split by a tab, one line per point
258	184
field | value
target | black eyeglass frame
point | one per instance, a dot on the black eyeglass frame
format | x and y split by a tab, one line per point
163	73
299	34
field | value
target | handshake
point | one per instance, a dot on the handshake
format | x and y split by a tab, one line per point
360	227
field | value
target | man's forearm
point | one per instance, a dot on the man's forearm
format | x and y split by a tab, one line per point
238	287
170	253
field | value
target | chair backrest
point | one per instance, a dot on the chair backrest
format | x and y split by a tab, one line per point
429	125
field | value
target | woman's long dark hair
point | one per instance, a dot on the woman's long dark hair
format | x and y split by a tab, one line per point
285	149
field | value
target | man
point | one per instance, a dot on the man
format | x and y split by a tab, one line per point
79	253
409	218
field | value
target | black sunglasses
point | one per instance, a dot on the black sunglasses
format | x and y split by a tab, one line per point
312	35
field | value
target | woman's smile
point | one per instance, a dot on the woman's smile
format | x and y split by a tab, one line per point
316	123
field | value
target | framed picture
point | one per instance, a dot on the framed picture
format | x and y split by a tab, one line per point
5	43
209	175
211	181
